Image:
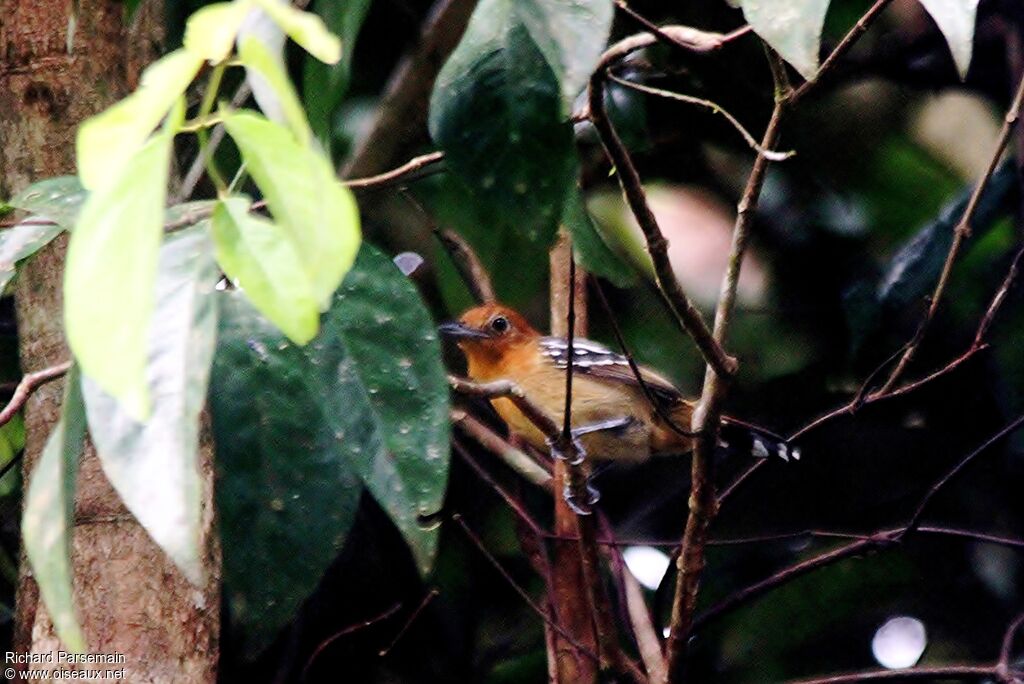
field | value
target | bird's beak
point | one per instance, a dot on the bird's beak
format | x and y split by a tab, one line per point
460	330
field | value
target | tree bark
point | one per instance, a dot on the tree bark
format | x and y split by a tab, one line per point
131	599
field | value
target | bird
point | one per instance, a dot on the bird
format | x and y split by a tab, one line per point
621	412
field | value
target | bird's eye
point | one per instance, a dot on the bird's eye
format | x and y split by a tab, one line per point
499	324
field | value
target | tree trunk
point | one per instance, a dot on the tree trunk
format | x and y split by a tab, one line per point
131	599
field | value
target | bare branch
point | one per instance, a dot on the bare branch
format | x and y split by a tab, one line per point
514	458
960	234
686	313
29	384
397	174
930	673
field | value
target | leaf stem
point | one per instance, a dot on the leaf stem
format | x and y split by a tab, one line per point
209	97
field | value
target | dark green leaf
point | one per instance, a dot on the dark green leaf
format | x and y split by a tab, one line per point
286	491
324	85
12	441
499	108
154	465
590	248
49	515
914	268
394	387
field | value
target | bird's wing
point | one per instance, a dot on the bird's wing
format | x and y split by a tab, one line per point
599	362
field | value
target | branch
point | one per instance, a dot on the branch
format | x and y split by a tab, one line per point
29	384
930	673
347	630
478	543
708	413
395	175
686	313
960	234
511	391
879	539
515	459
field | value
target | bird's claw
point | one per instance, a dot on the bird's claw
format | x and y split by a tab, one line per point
559	452
581	505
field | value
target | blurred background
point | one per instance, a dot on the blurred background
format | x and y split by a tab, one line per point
850	235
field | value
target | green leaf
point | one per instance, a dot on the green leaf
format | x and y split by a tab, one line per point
368	394
210	31
323	85
154	465
109	276
106	142
286	492
956	20
268	72
48	519
498	108
590	248
58	199
305	28
395	369
792	27
318	213
258	255
914	269
12	441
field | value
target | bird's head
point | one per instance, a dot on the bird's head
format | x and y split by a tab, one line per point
489	330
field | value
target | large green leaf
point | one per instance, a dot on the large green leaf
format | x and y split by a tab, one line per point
956	20
210	31
305	28
107	142
394	382
286	491
499	107
367	397
590	248
108	279
48	519
258	255
273	88
306	199
792	27
153	465
324	85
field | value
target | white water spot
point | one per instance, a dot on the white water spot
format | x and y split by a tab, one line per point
899	643
647	564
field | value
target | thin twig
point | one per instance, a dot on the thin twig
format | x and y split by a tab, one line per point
708	413
517	506
686	313
195	172
960	234
348	630
930	673
842	48
29	384
518	460
431	595
511	391
647	638
772	155
397	174
479	544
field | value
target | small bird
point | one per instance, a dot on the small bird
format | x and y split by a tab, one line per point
615	416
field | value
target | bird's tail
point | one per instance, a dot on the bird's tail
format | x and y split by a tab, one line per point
741	437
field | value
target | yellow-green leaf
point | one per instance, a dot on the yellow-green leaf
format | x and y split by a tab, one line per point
305	28
108	140
258	255
49	515
316	211
262	65
210	31
110	273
